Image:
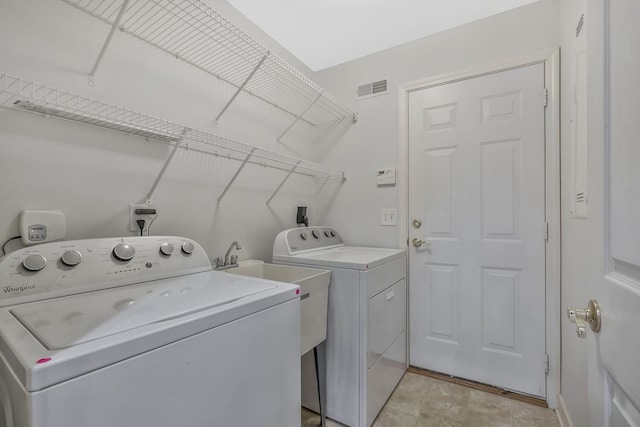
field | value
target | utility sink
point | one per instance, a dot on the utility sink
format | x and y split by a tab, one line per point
314	293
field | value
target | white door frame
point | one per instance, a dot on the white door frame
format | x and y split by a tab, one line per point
551	61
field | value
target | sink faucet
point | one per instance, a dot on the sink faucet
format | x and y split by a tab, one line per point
228	261
226	256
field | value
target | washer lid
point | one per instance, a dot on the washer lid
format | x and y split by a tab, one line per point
70	321
351	257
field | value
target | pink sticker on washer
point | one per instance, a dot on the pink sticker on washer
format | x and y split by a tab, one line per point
43	360
297	291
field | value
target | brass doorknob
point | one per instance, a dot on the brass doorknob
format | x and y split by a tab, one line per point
590	315
420	242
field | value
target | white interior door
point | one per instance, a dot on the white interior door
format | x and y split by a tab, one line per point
614	353
477	197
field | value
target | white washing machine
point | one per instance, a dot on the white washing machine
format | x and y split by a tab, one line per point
140	332
366	332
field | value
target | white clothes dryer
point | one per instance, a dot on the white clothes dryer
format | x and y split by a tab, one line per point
139	331
366	332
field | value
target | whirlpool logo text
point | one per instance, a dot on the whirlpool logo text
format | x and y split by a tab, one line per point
17	289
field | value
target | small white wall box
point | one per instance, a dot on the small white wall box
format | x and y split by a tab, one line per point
388	216
386	176
41	226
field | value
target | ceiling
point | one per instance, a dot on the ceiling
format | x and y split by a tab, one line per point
324	33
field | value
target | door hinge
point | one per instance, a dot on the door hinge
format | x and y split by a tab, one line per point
546	363
545	97
546	231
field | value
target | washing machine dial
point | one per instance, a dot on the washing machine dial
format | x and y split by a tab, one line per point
187	248
34	262
326	233
315	234
303	235
71	258
166	248
124	252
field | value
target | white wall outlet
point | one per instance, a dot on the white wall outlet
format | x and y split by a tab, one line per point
388	217
144	214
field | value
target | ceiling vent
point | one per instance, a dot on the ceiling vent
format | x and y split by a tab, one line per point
368	90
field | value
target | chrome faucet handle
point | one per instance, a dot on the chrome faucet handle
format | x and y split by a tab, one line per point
234	259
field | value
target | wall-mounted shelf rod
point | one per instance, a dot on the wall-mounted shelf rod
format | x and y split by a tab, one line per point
235	175
94	70
240	89
286	178
299	116
165	165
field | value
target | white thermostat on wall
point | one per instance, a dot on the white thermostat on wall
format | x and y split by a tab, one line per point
40	226
386	176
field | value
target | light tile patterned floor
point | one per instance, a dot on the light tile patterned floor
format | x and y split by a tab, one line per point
421	401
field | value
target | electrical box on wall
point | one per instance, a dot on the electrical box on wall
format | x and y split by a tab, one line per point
141	216
41	226
386	176
388	216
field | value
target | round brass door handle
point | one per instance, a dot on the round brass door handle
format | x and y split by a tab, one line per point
590	315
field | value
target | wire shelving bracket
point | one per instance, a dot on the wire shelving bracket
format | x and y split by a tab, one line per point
176	145
26	95
196	34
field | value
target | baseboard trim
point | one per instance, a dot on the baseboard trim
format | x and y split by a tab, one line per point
482	387
563	414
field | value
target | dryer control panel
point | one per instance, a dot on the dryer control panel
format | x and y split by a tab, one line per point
304	239
70	267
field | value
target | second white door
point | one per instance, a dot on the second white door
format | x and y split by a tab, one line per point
477	199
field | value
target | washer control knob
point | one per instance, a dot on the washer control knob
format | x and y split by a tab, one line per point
34	262
124	252
333	233
303	235
326	233
187	248
166	248
71	258
315	234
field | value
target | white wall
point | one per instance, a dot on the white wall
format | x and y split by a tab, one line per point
92	174
373	142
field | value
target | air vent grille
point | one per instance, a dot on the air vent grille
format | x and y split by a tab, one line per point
371	89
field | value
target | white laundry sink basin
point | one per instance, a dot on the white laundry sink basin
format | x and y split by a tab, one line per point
314	293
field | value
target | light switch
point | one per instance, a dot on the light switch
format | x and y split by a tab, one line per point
388	217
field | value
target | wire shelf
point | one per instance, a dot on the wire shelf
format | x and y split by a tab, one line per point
26	95
194	33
